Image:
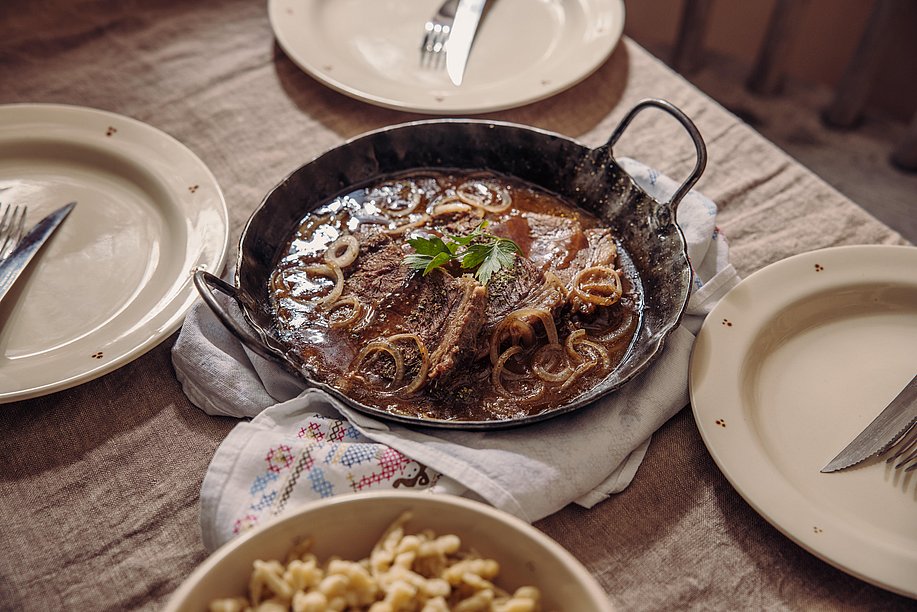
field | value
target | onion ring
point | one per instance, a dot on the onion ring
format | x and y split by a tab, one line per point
465	192
396	188
355	316
579	371
400	229
496	376
518	317
543	372
599	350
451	205
351	250
279	281
383	346
333	272
598	293
421	377
306	230
577	338
571	341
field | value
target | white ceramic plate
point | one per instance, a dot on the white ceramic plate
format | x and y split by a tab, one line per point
787	369
524	50
115	278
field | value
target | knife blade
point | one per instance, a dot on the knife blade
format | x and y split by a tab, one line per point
899	416
22	254
458	46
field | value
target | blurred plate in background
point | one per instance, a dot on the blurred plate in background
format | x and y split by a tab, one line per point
524	51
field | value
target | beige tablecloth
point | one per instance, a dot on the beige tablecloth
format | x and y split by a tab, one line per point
99	484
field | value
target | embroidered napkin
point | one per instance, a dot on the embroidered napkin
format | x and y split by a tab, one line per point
302	445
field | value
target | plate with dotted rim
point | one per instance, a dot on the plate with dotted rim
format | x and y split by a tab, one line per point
788	368
115	279
523	51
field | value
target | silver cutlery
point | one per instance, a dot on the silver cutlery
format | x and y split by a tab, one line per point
11	226
905	451
436	34
892	425
13	265
467	17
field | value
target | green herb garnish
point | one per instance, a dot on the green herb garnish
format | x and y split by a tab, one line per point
479	249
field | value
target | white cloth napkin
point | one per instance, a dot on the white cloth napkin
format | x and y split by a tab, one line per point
303	445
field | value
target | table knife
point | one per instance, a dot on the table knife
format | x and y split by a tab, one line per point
458	47
897	418
22	254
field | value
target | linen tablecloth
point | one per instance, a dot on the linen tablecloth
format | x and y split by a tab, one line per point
99	484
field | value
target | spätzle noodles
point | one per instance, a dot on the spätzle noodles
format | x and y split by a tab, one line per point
404	572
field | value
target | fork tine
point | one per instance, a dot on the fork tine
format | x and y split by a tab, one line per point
425	44
21	227
436	35
12	225
905	449
6	227
432	49
6	214
438	45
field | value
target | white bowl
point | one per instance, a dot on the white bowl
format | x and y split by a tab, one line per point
349	525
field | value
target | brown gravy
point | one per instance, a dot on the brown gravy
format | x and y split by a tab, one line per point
443	346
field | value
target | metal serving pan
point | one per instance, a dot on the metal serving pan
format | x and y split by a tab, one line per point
590	178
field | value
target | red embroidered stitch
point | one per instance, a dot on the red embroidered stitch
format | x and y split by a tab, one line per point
391	462
279	458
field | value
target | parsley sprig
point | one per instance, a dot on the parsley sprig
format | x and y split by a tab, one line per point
479	249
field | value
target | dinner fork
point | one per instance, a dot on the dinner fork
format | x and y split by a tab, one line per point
905	451
11	226
436	34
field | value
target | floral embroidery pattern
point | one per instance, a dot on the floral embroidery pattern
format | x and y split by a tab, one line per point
326	457
279	458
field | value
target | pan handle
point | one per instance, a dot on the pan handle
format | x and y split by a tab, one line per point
206	283
686	123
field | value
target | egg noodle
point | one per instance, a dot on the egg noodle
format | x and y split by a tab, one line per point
420	572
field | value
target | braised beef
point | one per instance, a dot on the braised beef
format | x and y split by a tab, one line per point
459	312
551	244
378	272
512	289
446	312
558	244
600	249
554	241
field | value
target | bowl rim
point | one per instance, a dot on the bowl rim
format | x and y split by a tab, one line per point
587	581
